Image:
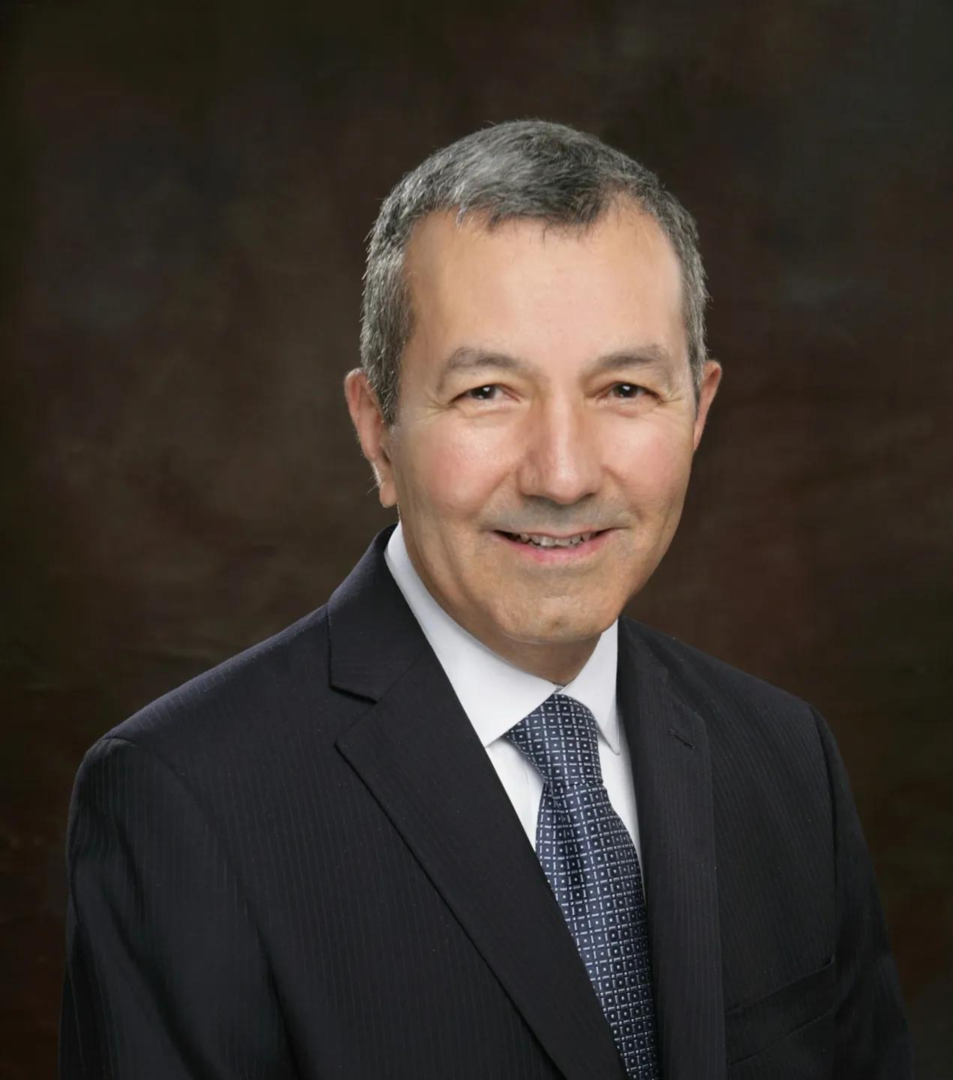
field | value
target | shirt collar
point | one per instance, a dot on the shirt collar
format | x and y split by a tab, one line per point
494	693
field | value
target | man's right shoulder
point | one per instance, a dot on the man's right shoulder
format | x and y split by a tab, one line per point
264	693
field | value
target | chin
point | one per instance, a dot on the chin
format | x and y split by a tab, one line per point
561	629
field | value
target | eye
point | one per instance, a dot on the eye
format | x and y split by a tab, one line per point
481	393
630	391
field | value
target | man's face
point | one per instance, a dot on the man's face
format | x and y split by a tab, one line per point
545	391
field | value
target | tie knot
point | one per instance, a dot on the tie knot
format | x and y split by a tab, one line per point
561	739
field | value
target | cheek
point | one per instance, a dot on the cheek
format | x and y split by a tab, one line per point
655	470
456	475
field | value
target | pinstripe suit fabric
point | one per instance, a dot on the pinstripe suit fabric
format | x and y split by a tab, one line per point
303	865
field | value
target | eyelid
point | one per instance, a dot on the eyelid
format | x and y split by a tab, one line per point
498	386
635	386
466	395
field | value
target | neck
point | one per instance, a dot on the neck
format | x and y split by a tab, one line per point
559	664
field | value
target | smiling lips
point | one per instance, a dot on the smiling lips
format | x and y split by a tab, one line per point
555	546
547	541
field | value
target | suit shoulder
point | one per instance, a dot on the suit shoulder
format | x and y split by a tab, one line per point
709	683
757	733
246	694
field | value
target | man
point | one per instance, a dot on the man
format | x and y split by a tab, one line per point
464	820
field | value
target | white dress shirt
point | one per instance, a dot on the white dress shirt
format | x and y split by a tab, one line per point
495	695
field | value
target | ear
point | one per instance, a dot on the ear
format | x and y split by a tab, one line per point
372	432
711	380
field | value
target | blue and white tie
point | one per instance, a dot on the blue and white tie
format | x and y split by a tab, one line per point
593	869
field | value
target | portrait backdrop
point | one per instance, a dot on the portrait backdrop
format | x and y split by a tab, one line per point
186	191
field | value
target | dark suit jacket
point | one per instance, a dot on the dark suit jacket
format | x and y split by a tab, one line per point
303	864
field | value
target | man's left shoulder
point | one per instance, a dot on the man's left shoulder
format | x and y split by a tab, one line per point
733	703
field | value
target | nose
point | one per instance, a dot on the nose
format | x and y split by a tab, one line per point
560	459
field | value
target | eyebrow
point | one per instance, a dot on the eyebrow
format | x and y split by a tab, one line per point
468	359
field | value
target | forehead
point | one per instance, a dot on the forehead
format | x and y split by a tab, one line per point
527	285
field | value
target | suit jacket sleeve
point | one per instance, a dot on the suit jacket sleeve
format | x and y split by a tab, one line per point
165	974
872	1038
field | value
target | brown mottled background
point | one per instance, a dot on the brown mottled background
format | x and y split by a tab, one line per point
184	193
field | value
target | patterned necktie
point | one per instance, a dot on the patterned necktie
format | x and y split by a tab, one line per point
593	868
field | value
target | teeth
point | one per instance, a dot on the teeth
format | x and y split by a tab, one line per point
550	541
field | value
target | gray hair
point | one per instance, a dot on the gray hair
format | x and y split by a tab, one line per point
519	169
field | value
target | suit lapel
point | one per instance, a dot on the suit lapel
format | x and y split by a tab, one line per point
417	752
668	744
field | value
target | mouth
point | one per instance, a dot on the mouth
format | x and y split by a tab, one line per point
549	549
